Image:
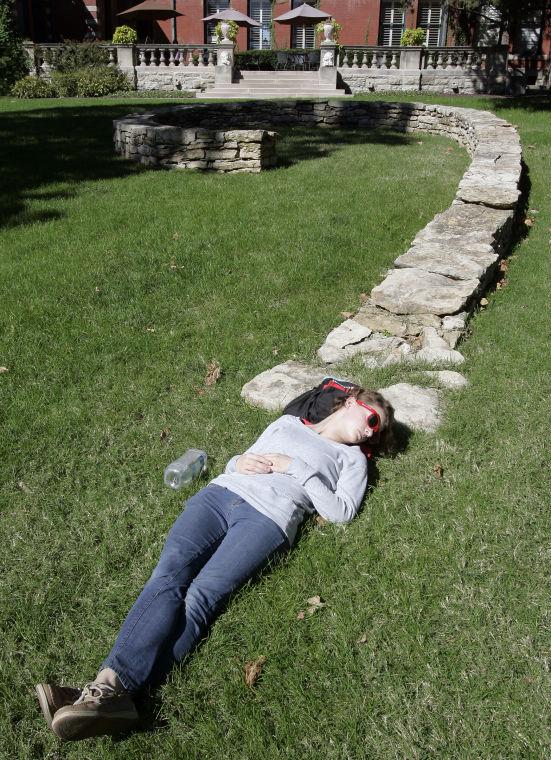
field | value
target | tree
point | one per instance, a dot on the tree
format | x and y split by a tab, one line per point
511	13
12	56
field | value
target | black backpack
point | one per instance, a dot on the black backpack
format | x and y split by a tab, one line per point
317	404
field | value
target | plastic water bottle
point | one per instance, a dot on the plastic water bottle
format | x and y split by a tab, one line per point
182	471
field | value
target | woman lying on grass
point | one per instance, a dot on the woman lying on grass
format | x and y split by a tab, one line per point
228	531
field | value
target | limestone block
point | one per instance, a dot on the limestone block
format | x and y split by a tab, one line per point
216	155
274	388
345	341
194	153
451	337
431	339
167	135
467	224
455	322
250	151
448	378
438	356
446	259
380	320
414	291
194	165
417	408
494	188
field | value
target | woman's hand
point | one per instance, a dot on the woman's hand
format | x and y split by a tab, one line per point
253	464
262	464
279	462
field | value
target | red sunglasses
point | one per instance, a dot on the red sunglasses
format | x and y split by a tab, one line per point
373	420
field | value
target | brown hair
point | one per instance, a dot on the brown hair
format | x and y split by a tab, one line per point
385	440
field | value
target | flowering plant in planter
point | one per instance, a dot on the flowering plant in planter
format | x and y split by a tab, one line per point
330	30
125	35
230	28
413	37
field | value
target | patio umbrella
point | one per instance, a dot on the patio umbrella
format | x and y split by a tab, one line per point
230	15
303	15
154	9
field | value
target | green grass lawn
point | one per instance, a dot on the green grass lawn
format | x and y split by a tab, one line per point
118	286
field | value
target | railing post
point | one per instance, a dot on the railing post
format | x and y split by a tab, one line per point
410	57
223	71
126	61
328	63
30	53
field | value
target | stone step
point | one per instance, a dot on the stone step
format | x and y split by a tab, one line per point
279	74
272	83
249	92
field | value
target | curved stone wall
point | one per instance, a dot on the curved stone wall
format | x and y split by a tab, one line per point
420	310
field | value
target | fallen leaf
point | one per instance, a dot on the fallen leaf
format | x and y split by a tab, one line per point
176	236
3	370
253	670
173	264
275	351
315	603
23	487
164	434
484	302
419	142
363	297
213	372
530	146
438	470
347	314
97	290
533	211
504	266
528	221
320	520
301	615
449	150
199	391
150	329
362	639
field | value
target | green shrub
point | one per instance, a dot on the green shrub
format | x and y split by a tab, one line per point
13	60
65	83
125	35
413	37
33	87
89	83
264	60
73	56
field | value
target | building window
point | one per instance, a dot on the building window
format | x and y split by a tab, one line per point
430	18
260	38
392	22
303	36
213	6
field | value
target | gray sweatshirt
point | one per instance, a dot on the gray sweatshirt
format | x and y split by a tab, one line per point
324	476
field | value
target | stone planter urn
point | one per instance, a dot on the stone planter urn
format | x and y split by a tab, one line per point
225	28
328	32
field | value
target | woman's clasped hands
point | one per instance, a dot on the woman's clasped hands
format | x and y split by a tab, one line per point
262	464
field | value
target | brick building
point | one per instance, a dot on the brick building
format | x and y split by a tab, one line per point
372	22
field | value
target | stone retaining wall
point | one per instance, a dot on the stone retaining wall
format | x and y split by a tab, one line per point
454	81
185	78
150	142
420	310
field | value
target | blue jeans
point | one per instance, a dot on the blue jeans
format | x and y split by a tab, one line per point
215	546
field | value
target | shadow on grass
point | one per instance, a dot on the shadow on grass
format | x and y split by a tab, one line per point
306	143
67	144
525	102
45	146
